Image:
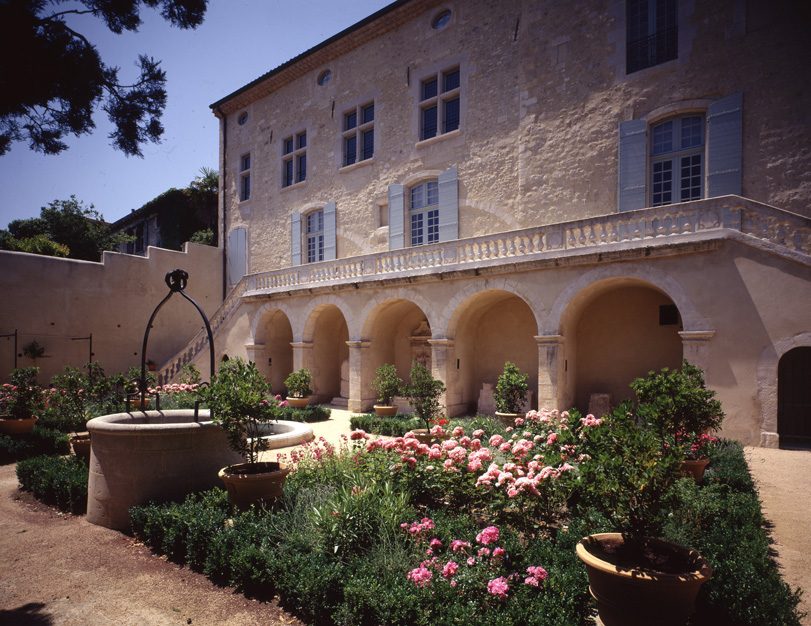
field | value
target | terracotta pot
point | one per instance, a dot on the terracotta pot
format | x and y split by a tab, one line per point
508	419
298	403
80	442
694	468
384	410
628	595
423	435
10	426
249	483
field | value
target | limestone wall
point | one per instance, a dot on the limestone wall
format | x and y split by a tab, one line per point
543	90
53	300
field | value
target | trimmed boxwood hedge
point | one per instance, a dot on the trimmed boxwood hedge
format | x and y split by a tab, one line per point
58	480
313	413
41	441
394	426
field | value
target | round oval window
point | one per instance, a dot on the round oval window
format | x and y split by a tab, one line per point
324	77
441	20
243	117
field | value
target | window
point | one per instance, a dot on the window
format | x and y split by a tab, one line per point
651	33
294	161
424	213
441	20
439	103
245	177
359	134
315	236
677	155
324	77
243	117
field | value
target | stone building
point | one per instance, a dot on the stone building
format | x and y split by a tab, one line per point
589	193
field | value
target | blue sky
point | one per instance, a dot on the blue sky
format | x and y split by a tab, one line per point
239	41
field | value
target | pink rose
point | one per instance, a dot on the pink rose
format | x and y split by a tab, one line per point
498	587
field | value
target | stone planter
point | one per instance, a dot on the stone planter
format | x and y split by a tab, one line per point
508	419
694	468
252	483
635	595
383	410
298	403
12	427
80	443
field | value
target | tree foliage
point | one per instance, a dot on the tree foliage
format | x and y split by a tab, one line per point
64	228
52	77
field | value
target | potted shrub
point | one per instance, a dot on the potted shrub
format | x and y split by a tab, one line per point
423	392
635	577
240	401
511	392
386	384
298	388
679	405
21	401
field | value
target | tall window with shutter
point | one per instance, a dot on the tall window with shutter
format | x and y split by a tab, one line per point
424	213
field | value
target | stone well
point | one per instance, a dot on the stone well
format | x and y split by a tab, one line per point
160	455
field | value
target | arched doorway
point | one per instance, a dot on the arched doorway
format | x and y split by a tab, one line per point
794	398
275	359
490	328
326	328
616	331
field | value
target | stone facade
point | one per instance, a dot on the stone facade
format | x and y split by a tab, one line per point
548	253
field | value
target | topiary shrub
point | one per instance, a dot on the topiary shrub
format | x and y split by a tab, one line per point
57	480
511	389
423	392
386	384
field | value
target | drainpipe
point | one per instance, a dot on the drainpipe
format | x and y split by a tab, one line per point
223	187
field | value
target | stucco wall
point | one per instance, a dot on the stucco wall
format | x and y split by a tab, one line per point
543	89
52	300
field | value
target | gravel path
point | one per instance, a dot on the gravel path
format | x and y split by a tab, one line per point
782	479
59	569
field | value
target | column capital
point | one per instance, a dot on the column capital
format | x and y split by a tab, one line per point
696	335
302	345
362	343
254	346
441	342
549	339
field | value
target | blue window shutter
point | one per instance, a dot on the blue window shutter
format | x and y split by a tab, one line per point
329	231
724	123
237	255
396	217
295	238
633	155
449	205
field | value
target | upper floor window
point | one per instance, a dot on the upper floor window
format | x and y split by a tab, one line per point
359	134
294	159
424	213
439	103
651	33
315	236
245	177
677	160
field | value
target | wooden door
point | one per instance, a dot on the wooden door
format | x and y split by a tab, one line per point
794	398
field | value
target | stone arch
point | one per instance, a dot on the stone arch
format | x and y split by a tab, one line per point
767	385
271	349
366	317
447	322
325	351
616	329
489	327
314	305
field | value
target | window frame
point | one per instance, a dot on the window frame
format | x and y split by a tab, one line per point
440	101
357	133
427	214
294	159
659	43
673	158
316	237
245	177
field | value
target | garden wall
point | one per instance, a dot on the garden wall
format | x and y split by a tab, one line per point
59	303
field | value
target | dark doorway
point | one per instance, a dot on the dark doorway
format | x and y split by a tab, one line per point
794	398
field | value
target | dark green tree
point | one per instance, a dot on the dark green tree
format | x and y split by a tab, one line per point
63	224
52	77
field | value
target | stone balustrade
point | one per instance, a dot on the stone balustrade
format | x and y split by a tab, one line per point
672	223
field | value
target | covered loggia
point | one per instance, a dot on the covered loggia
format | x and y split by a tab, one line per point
616	330
274	353
326	334
488	329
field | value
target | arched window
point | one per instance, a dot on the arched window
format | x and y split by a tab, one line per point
424	213
677	160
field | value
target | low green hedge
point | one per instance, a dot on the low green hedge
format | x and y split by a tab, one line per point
58	480
313	413
395	426
41	441
722	519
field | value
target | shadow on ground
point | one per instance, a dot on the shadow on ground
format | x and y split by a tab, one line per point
31	614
